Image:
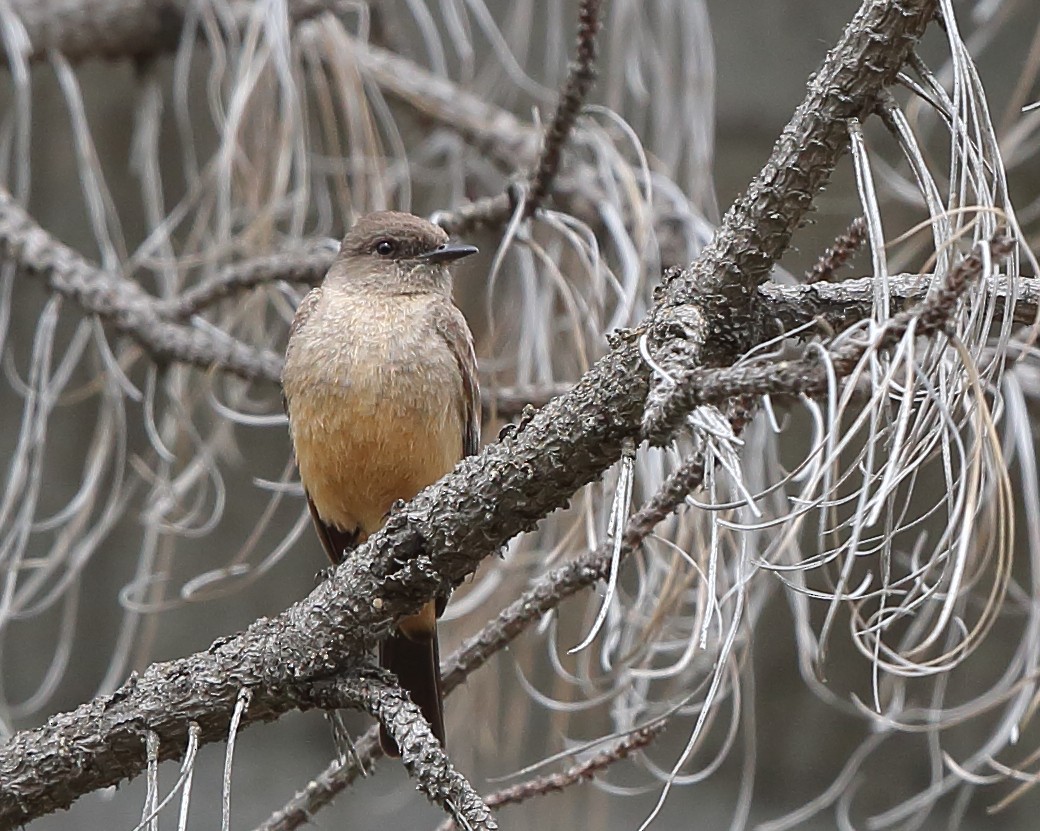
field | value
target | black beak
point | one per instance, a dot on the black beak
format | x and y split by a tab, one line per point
447	253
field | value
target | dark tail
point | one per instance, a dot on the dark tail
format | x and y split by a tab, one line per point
417	665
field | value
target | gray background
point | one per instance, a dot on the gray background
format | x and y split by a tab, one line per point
765	50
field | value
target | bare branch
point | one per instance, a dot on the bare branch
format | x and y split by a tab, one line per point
149	321
840	253
780	308
305	267
757	229
121	302
321	790
424	758
808	375
542	785
582	772
720	285
839	305
545	595
119	29
580	78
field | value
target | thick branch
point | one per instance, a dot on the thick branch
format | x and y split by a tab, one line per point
468	515
758	227
806	375
101	742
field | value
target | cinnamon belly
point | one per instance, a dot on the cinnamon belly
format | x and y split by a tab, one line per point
361	450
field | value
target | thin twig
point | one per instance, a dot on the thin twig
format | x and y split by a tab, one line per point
121	302
378	692
845	246
307	267
582	772
580	78
495	210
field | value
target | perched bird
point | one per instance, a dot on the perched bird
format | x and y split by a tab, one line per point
381	389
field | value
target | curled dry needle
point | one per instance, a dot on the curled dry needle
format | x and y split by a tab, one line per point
807	375
280	195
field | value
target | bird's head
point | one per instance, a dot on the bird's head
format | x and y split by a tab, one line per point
398	252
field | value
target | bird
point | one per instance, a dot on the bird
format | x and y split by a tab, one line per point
381	390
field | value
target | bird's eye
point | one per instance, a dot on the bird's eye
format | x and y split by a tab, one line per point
385	247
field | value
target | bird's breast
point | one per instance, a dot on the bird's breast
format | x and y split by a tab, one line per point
374	412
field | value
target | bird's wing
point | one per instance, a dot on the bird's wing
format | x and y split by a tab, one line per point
452	327
335	542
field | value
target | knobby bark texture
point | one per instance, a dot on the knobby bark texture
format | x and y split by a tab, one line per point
810	376
704	314
545	595
757	228
378	693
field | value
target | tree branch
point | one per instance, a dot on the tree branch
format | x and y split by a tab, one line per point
306	267
757	228
839	305
808	375
121	303
101	742
119	29
159	325
710	386
377	692
844	248
580	78
619	750
143	28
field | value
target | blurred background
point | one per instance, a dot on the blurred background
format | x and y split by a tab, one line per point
148	510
